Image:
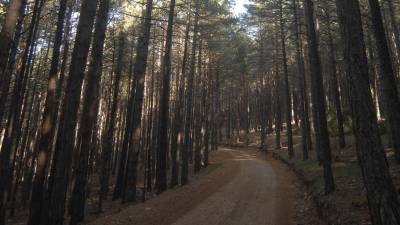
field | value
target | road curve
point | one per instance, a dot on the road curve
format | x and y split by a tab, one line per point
241	187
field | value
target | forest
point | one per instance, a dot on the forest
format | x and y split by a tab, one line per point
193	112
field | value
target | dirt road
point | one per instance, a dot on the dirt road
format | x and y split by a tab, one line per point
241	187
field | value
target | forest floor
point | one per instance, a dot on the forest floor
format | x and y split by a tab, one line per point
240	187
348	204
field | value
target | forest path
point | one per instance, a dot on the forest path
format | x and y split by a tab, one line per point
241	187
261	193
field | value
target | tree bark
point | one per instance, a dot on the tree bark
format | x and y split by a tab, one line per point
161	173
7	34
189	100
137	94
105	169
391	98
177	124
12	133
60	174
287	85
395	27
197	124
305	119
38	186
318	98
6	74
335	87
277	97
383	201
90	112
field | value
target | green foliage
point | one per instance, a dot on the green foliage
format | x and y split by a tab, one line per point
332	122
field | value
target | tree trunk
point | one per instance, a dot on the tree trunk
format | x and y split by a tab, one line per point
7	33
6	75
197	124
60	174
161	173
305	119
12	133
101	26
137	94
90	112
177	124
318	98
189	100
38	186
391	98
395	27
335	86
383	201
287	85
277	97
207	117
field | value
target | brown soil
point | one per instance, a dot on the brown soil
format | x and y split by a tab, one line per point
241	187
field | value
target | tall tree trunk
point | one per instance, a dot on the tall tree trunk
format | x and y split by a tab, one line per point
60	174
38	186
137	94
305	119
90	112
189	100
197	124
7	34
207	112
287	85
383	201
177	124
395	27
216	110
105	169
5	79
277	97
335	86
12	133
162	151
318	98
391	98
150	149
